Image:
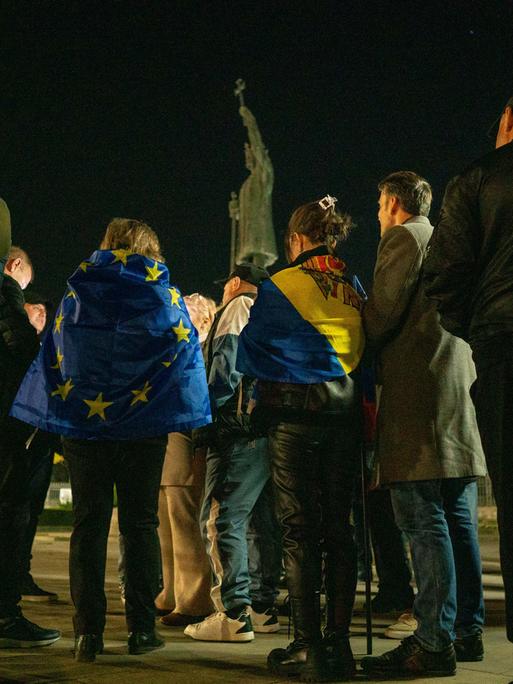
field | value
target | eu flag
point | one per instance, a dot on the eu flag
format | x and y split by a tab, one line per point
122	359
305	325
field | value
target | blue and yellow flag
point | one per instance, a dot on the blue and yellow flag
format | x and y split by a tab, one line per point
305	326
122	359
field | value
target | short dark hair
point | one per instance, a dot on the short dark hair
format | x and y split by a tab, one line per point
412	191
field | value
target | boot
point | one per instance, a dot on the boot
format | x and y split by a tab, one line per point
87	647
305	656
341	663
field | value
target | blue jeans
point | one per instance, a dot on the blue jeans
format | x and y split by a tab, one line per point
264	550
237	473
439	517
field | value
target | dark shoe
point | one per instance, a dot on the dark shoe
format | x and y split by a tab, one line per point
469	649
31	592
288	662
87	647
18	632
383	603
316	668
410	659
163	611
173	619
144	642
341	663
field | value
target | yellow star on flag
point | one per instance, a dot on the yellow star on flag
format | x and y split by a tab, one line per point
60	358
120	255
153	272
98	406
140	394
72	294
84	265
175	296
63	390
58	320
181	332
168	363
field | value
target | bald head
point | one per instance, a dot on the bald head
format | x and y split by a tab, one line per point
19	266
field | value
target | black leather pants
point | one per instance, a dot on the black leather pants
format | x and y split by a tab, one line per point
314	469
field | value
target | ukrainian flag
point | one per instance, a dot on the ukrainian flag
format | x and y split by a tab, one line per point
305	326
122	359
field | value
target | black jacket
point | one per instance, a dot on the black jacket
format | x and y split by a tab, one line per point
469	266
19	343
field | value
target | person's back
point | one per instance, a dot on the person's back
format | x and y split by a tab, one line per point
472	279
469	273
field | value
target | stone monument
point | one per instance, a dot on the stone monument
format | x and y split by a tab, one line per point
253	236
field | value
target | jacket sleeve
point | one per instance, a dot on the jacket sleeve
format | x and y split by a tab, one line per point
396	277
450	265
223	377
18	335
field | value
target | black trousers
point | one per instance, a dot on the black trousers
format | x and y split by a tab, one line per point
493	398
14	510
314	470
392	566
38	480
135	468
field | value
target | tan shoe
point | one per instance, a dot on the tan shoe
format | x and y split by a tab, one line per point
404	627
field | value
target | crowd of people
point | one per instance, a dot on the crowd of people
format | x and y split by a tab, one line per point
233	435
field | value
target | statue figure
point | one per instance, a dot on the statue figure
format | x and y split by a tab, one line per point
256	241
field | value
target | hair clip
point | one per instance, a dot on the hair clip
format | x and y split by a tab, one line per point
327	202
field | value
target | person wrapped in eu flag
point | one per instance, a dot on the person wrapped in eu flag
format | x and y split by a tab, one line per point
303	343
120	368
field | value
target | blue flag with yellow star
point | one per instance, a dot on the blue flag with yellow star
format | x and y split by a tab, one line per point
122	359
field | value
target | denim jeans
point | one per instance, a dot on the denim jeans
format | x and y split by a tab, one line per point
439	517
237	472
264	550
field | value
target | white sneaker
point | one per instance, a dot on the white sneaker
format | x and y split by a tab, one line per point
404	627
265	622
220	627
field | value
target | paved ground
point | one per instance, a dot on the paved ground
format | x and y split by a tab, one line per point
184	660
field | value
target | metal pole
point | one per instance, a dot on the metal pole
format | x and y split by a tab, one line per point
367	553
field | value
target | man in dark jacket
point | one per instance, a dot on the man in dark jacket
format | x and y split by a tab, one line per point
18	346
469	273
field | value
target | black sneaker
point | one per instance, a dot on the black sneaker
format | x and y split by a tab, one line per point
19	632
411	660
469	649
30	591
144	642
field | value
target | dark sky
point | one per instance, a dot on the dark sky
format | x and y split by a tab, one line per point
127	109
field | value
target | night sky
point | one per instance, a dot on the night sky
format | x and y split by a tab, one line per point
127	109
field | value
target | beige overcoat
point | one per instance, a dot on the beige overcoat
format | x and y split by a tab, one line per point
426	421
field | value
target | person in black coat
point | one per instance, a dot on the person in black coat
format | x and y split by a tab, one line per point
469	273
18	347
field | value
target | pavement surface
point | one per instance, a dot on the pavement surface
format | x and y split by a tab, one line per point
184	660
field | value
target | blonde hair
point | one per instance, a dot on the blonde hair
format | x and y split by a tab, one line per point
202	311
134	236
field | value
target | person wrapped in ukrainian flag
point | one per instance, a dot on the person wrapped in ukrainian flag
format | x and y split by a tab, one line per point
303	343
120	368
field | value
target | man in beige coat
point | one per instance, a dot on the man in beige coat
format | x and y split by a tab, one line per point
428	447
